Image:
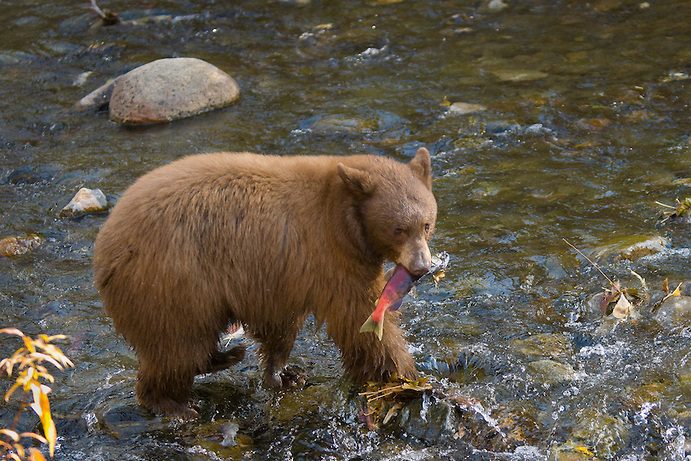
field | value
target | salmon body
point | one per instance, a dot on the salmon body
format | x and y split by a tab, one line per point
396	288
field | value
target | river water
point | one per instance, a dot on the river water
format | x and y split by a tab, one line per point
582	125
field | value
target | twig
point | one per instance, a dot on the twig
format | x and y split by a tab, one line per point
97	9
644	286
666	206
589	260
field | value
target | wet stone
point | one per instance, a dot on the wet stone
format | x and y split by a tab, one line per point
632	247
675	311
427	418
518	75
570	451
98	98
125	421
16	246
223	438
605	433
300	402
170	89
544	345
84	202
551	372
465	108
31	174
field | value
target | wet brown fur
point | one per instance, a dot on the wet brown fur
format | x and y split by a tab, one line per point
263	240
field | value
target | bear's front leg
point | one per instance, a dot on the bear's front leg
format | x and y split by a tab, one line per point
364	356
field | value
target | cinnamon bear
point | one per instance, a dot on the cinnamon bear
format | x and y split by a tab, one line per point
266	241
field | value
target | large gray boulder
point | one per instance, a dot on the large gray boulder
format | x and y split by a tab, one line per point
169	89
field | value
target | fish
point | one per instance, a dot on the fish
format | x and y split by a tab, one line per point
391	298
399	284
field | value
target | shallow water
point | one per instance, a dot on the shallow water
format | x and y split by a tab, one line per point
585	125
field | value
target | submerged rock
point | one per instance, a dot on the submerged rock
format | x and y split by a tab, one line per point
518	75
15	246
222	438
544	345
465	108
428	418
675	311
551	372
570	451
85	201
632	248
98	98
606	434
170	89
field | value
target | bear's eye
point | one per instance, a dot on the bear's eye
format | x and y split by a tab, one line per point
427	227
398	231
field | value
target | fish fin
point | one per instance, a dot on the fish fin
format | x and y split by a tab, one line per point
374	327
397	305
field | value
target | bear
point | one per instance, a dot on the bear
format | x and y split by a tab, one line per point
262	240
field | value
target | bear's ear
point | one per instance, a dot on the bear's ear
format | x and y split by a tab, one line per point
421	165
359	182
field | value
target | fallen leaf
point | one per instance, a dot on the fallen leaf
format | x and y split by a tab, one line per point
623	308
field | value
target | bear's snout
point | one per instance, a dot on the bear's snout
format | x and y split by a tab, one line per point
416	258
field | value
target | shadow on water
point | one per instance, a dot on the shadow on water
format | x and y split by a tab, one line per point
582	125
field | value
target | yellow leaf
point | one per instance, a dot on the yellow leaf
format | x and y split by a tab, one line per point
36	455
445	102
677	291
5	445
29	343
47	421
11	390
10	433
584	450
33	435
11	331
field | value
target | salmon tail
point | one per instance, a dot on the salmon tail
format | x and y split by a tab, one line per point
374	327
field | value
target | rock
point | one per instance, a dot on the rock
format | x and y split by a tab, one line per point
301	402
85	201
428	418
544	345
170	89
632	248
222	438
338	124
15	246
605	434
126	420
98	98
675	311
32	174
570	451
465	108
518	75
551	372
496	5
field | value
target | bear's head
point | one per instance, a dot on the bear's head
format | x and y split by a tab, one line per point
396	207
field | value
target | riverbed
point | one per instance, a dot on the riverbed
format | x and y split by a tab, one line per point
545	120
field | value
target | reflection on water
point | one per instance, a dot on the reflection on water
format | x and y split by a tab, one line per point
583	126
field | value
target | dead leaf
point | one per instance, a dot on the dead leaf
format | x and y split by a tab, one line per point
623	308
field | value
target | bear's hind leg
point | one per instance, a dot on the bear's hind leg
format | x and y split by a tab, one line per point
165	391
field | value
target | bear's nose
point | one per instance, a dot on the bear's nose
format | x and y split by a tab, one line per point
420	266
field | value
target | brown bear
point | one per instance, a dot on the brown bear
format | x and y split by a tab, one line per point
263	240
